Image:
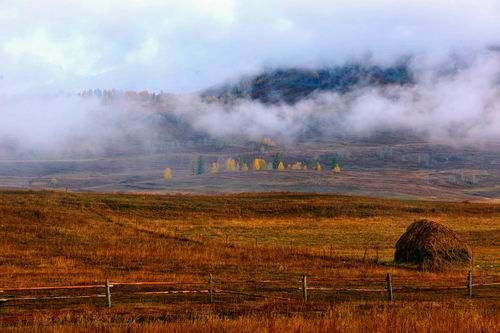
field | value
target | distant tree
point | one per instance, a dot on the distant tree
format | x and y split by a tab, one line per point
256	165
333	163
113	93
130	94
297	166
167	174
336	169
268	142
199	166
214	167
281	166
230	165
277	159
144	94
317	166
244	166
259	164
262	164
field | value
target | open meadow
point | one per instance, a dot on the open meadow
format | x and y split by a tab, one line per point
256	247
250	166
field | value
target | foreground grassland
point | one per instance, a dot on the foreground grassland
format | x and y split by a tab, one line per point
54	239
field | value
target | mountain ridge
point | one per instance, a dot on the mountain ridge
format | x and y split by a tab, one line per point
290	85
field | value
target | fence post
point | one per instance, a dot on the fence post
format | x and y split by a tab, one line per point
304	288
389	287
108	292
364	255
210	289
469	283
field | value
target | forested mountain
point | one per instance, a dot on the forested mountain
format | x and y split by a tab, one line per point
292	85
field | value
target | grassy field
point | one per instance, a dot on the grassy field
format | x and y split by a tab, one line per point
406	170
55	238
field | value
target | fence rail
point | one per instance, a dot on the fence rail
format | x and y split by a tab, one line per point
302	289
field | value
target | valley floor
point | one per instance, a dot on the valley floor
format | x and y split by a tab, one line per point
255	246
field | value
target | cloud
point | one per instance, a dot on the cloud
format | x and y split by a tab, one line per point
183	46
456	102
67	125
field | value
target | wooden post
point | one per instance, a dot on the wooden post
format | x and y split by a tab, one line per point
304	288
108	292
364	255
210	289
389	287
469	283
472	258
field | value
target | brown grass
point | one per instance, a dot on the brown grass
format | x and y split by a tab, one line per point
406	317
51	238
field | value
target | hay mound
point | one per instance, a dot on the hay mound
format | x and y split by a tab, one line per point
431	246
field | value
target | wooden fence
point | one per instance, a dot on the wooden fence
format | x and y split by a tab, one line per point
212	290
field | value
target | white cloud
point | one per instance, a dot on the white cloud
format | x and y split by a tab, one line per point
187	45
148	51
71	55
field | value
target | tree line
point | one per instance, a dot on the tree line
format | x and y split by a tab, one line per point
200	166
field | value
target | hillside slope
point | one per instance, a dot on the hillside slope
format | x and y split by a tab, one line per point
292	84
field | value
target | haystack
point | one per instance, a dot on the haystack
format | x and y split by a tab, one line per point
431	246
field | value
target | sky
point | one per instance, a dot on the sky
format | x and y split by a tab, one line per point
52	49
185	46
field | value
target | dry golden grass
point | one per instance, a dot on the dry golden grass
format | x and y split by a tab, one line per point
52	238
407	317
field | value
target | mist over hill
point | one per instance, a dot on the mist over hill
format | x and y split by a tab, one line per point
454	102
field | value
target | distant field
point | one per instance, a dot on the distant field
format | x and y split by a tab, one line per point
390	168
57	239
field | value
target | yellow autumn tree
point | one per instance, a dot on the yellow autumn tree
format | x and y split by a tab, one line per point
230	165
281	167
167	174
297	166
244	166
337	168
317	167
259	164
263	164
256	165
214	167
